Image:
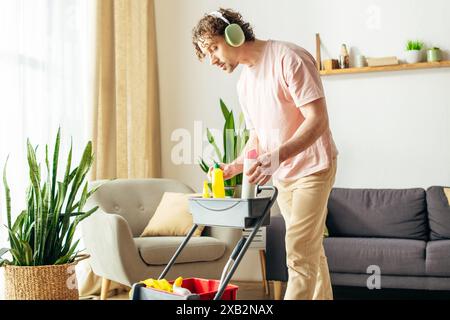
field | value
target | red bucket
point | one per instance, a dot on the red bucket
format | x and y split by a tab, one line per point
207	289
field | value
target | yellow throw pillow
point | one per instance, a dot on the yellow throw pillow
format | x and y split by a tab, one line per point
447	194
172	217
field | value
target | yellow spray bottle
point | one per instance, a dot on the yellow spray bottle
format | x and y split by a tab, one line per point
218	187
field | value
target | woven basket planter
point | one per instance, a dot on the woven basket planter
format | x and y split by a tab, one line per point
55	282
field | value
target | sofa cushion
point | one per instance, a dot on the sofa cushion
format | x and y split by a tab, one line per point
159	250
438	213
438	258
393	256
388	213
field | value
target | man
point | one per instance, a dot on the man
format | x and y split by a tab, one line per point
283	102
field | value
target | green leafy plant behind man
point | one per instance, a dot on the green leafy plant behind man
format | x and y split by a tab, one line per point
234	140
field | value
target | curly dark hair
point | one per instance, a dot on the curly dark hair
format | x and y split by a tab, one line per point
210	26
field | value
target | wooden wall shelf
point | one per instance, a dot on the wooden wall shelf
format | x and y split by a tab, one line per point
399	67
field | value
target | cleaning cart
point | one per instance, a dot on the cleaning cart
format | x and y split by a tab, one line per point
225	212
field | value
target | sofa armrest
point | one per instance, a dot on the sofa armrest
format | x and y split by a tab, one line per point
109	241
276	268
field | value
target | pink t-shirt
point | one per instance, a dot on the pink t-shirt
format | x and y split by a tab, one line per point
272	93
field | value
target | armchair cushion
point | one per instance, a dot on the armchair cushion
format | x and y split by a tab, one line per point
159	250
172	217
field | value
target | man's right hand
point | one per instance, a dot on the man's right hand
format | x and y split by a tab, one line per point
229	170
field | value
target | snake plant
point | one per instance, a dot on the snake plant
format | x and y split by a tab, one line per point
43	233
234	140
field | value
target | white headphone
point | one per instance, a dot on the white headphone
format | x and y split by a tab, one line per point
219	15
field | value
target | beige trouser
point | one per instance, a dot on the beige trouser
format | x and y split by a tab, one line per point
303	204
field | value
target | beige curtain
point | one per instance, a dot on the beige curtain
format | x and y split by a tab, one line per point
126	134
126	117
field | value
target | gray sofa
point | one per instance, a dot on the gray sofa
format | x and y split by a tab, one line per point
405	232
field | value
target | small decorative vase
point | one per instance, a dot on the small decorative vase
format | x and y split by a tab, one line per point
413	56
360	61
434	55
344	58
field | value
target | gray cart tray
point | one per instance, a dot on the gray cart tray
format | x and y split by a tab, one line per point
229	212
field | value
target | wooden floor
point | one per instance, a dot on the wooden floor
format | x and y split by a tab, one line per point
254	291
247	291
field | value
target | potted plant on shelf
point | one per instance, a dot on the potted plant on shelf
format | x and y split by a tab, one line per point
434	54
234	140
414	51
42	250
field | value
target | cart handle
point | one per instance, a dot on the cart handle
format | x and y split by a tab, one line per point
271	188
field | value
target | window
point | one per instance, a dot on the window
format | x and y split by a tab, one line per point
46	69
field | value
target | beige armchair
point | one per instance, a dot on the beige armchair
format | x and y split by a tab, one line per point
111	236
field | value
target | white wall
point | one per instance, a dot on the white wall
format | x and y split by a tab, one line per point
392	129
